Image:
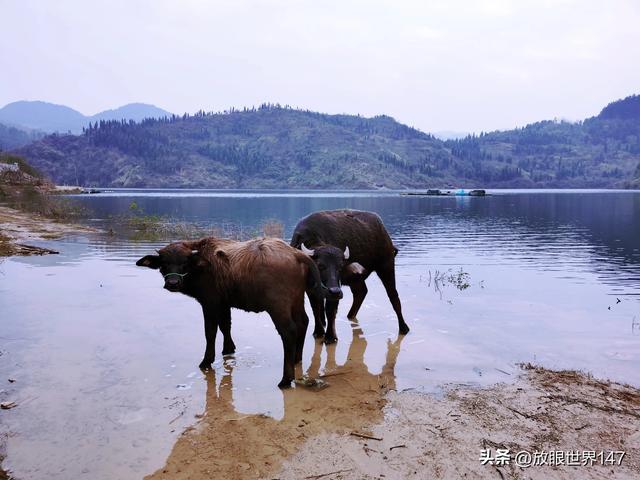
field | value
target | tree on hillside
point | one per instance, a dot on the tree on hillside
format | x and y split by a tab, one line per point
625	109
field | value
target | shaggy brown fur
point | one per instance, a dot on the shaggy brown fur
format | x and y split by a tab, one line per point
257	276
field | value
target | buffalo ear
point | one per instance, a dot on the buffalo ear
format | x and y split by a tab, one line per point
352	273
355	269
150	261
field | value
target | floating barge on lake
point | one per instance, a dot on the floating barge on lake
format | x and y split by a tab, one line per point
434	192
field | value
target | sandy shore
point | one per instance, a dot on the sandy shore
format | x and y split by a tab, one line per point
544	412
17	227
323	434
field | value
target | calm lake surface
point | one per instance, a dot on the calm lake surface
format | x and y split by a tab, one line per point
105	360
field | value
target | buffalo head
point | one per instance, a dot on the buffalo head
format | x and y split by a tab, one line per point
330	261
175	262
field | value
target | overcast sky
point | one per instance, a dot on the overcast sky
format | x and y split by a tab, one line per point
436	65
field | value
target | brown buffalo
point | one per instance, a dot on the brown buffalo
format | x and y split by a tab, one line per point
257	276
347	245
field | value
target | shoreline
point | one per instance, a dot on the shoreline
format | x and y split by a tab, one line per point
17	227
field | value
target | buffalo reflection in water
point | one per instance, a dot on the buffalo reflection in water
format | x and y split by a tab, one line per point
229	444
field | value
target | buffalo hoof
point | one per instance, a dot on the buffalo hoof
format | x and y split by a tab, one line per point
318	333
205	365
330	340
229	351
404	329
284	383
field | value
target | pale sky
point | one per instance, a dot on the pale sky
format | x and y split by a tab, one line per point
436	65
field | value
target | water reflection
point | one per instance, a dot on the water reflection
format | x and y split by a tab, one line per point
355	362
254	444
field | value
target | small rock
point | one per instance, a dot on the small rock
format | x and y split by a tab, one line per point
8	405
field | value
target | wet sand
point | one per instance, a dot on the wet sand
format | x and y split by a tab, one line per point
17	227
360	427
426	437
3	475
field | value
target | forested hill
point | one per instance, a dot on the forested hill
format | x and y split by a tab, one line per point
279	147
269	147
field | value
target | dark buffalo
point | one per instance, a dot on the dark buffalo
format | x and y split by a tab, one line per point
347	245
256	276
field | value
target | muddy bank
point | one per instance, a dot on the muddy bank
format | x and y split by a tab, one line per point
360	427
18	228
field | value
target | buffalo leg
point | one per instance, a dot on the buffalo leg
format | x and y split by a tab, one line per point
317	305
359	291
228	347
210	330
388	277
332	309
302	323
287	330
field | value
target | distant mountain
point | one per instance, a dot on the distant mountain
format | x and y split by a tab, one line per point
50	117
276	147
14	137
43	116
132	111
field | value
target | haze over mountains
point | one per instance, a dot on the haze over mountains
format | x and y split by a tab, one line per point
280	147
50	118
14	137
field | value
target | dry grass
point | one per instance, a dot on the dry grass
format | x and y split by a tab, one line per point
139	226
273	228
6	247
33	200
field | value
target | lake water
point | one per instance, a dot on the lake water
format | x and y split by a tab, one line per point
105	360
